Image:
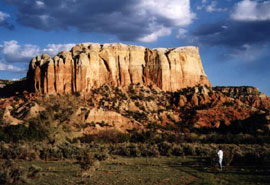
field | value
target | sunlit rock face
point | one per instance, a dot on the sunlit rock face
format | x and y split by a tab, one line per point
91	65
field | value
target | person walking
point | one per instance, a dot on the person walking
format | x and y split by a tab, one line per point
220	157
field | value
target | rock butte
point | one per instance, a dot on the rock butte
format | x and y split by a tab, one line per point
90	65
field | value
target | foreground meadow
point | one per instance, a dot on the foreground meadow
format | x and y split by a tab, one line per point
142	170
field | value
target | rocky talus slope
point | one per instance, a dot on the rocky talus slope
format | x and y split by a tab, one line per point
99	87
88	66
143	108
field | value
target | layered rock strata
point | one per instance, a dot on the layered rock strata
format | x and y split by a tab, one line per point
89	66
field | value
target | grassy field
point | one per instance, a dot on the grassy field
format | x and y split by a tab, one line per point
163	170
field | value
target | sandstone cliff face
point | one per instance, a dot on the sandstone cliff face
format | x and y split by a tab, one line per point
89	66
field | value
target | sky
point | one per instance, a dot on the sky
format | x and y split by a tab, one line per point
233	35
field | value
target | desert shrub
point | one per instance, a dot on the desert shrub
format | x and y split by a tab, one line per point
106	136
215	138
56	107
244	139
88	164
253	154
265	156
122	149
192	137
148	150
239	155
23	151
171	138
165	148
1	115
153	151
15	133
212	158
189	149
44	153
263	139
228	154
5	151
86	160
55	154
69	151
134	150
18	151
102	155
125	151
87	138
200	150
206	150
51	153
34	172
143	137
10	174
32	155
178	150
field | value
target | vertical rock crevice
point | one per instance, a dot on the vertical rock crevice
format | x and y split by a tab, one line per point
91	65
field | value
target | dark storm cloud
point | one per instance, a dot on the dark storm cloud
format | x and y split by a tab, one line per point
4	22
7	25
233	34
88	16
124	18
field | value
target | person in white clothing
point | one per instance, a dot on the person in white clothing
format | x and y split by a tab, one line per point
220	157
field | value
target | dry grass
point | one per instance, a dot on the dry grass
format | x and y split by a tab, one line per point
162	170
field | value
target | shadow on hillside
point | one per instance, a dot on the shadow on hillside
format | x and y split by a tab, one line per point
12	89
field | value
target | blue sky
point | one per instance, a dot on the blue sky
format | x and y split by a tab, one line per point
233	35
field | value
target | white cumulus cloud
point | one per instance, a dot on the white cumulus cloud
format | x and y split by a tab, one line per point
212	7
8	67
248	10
155	35
175	11
40	4
3	16
54	49
181	33
13	52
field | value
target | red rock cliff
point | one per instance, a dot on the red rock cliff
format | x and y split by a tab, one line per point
89	66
